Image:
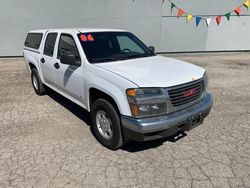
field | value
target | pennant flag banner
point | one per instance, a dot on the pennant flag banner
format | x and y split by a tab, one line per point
238	11
228	15
208	21
189	17
172	7
247	4
198	19
218	19
180	13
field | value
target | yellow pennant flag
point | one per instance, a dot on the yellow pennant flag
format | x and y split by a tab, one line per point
247	3
189	17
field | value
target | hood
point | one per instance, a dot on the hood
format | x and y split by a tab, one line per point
156	71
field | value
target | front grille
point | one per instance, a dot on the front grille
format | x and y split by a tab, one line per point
186	93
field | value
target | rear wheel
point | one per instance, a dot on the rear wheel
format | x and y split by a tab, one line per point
37	83
106	124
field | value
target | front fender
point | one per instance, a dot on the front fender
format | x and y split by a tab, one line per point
111	84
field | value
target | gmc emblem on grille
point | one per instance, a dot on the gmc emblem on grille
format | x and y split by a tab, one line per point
190	92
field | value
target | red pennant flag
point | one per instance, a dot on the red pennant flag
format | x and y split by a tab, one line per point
238	11
180	13
218	19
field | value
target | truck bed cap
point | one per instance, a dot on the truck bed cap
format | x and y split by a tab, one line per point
81	30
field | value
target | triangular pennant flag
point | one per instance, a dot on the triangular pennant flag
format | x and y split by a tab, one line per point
247	4
189	17
208	21
218	19
180	12
228	15
237	11
198	20
172	6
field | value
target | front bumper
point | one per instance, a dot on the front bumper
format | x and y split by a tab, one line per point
163	126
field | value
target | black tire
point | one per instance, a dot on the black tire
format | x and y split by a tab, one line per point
116	141
38	86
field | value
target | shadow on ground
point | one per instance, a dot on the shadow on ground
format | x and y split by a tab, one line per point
72	107
131	146
140	146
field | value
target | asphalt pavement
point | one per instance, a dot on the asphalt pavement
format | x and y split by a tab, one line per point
46	141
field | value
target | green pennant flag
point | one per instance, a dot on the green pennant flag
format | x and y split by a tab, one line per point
172	6
228	16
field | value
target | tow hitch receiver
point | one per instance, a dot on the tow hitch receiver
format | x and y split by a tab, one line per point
195	121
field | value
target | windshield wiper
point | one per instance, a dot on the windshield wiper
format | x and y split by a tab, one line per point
100	60
115	58
137	55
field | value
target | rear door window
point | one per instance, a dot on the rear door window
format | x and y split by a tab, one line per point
50	44
33	40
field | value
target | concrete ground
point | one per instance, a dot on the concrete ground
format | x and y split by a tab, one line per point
46	141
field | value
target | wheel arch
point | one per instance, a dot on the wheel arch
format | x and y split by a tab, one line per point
95	94
31	66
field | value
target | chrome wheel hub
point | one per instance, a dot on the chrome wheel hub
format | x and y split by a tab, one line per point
104	124
35	82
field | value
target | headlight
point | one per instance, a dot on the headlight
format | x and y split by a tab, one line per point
205	77
147	102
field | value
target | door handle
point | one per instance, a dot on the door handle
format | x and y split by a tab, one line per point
43	60
56	65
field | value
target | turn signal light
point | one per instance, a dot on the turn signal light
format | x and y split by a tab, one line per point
134	110
131	92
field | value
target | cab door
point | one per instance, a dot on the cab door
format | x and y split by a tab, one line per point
47	59
69	78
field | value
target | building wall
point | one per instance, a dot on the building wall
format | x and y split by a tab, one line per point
150	20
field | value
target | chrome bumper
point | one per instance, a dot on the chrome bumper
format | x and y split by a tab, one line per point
173	120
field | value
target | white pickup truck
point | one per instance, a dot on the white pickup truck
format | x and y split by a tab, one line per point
131	93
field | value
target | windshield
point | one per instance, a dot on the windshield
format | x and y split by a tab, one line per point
102	47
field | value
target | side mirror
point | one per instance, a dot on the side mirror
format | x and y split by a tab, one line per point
152	48
69	59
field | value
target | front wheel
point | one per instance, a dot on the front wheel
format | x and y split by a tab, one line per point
106	124
37	83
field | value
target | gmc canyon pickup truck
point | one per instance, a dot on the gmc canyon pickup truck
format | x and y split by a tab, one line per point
130	92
